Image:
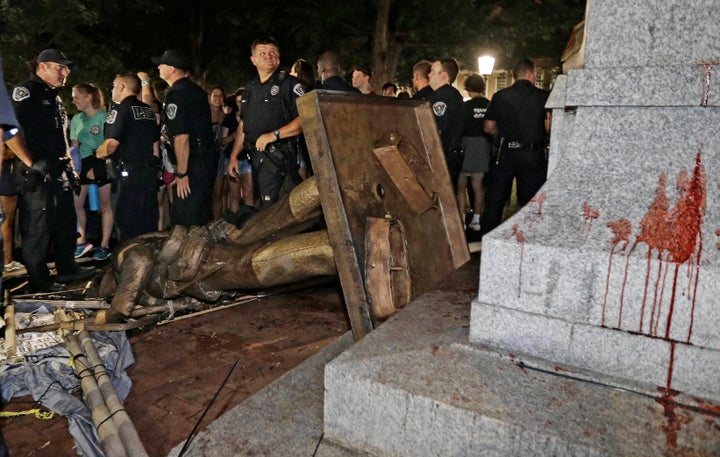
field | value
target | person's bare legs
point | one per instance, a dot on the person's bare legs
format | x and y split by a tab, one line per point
9	205
461	195
246	186
80	212
106	214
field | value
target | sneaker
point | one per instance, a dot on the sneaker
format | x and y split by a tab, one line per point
13	266
82	249
474	226
101	253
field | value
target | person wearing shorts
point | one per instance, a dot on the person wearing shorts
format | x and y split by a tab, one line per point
476	145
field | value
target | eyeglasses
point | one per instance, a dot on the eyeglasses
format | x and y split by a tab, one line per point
59	67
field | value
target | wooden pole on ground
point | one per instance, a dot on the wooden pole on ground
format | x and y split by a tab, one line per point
128	434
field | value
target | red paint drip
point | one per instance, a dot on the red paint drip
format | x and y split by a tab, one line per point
621	229
589	214
625	276
672	427
539	199
520	237
676	235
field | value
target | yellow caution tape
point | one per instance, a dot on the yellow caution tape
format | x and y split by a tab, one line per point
39	414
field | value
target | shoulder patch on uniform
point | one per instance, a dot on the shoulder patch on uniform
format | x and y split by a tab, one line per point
171	111
20	93
298	89
439	108
111	117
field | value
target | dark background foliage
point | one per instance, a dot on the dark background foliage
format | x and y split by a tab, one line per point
108	37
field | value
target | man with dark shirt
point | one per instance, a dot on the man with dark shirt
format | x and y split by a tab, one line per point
270	125
47	211
447	106
518	118
187	118
421	81
132	136
328	70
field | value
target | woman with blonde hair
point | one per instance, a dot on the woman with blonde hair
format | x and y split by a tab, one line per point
86	134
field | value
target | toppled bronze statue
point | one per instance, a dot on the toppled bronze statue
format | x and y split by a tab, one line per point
268	249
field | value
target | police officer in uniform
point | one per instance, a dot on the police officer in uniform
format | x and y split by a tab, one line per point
46	204
447	106
132	136
328	70
186	115
518	119
421	80
270	125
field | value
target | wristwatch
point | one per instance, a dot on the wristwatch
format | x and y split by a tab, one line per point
276	132
180	175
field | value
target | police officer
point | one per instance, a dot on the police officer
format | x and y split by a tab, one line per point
46	204
518	119
270	125
132	136
186	115
447	106
421	80
328	70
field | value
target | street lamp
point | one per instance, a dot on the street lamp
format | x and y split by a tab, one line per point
485	65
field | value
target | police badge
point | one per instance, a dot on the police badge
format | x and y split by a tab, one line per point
274	90
111	117
20	93
171	110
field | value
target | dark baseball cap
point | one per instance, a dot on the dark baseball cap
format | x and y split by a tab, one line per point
53	55
173	57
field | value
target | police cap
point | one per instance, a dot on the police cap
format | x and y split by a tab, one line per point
53	55
174	58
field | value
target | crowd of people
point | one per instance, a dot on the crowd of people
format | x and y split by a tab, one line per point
147	164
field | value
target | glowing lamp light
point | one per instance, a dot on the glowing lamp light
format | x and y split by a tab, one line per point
485	65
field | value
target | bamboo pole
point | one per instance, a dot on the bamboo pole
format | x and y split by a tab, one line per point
128	434
106	429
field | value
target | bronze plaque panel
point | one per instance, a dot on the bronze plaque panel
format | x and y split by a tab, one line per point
380	157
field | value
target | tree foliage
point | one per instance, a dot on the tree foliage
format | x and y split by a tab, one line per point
109	37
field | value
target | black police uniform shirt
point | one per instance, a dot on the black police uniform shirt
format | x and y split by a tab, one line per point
133	124
267	106
187	111
519	111
474	115
423	94
42	118
336	83
447	106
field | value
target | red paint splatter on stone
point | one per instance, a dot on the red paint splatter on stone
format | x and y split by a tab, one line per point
589	214
621	229
674	235
539	199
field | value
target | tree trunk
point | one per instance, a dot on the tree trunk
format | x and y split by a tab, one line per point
386	49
